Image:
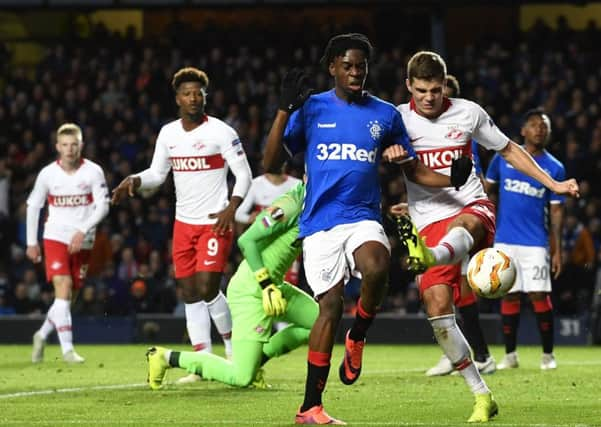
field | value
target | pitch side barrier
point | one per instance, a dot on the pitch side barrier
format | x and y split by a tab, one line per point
388	328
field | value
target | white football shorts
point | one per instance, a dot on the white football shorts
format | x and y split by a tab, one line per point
533	265
328	255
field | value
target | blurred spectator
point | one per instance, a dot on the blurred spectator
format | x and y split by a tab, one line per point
128	267
139	297
88	303
102	252
5	307
576	283
21	302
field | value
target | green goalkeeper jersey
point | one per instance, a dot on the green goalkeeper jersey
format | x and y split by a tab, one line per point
271	240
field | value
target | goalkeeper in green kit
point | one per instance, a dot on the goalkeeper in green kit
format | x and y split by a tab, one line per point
257	296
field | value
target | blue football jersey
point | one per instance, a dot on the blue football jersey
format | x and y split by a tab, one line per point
343	146
523	206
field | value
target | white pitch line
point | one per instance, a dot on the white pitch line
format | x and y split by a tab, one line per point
71	390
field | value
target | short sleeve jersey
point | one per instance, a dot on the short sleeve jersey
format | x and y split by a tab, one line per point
522	212
199	159
437	142
343	145
71	199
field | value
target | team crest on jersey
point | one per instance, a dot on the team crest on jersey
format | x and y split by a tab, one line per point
454	133
198	146
375	130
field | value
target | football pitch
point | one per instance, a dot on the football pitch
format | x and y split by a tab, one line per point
110	389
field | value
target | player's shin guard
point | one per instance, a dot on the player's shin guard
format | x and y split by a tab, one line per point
455	347
198	324
510	312
318	370
363	321
220	313
544	317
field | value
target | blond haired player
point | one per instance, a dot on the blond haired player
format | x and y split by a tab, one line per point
78	200
200	150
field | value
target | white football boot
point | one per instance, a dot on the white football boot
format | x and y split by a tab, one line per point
37	353
489	366
72	357
443	367
548	362
510	361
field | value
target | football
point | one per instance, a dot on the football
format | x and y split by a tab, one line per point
491	273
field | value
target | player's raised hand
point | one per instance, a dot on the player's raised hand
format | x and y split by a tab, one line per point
33	253
294	90
76	242
395	154
225	219
568	187
126	188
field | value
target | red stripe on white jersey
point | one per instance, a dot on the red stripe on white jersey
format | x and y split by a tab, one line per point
441	158
69	201
197	163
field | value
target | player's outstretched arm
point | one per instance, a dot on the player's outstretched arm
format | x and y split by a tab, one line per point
517	157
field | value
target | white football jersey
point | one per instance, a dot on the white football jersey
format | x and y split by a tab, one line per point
199	160
72	199
261	194
437	142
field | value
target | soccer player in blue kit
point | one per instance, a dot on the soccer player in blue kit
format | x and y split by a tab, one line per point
342	133
523	210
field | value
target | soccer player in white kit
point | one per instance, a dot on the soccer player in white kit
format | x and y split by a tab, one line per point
524	210
453	223
78	200
199	149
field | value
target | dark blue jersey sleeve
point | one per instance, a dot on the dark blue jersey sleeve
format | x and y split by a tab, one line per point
399	135
294	135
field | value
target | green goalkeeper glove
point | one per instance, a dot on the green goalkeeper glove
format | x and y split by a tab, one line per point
274	303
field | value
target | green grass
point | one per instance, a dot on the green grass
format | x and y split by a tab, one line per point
109	390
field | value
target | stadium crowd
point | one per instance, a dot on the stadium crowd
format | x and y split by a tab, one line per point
117	88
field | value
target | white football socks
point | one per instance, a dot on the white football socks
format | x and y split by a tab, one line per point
456	348
453	247
61	317
48	325
220	313
198	324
